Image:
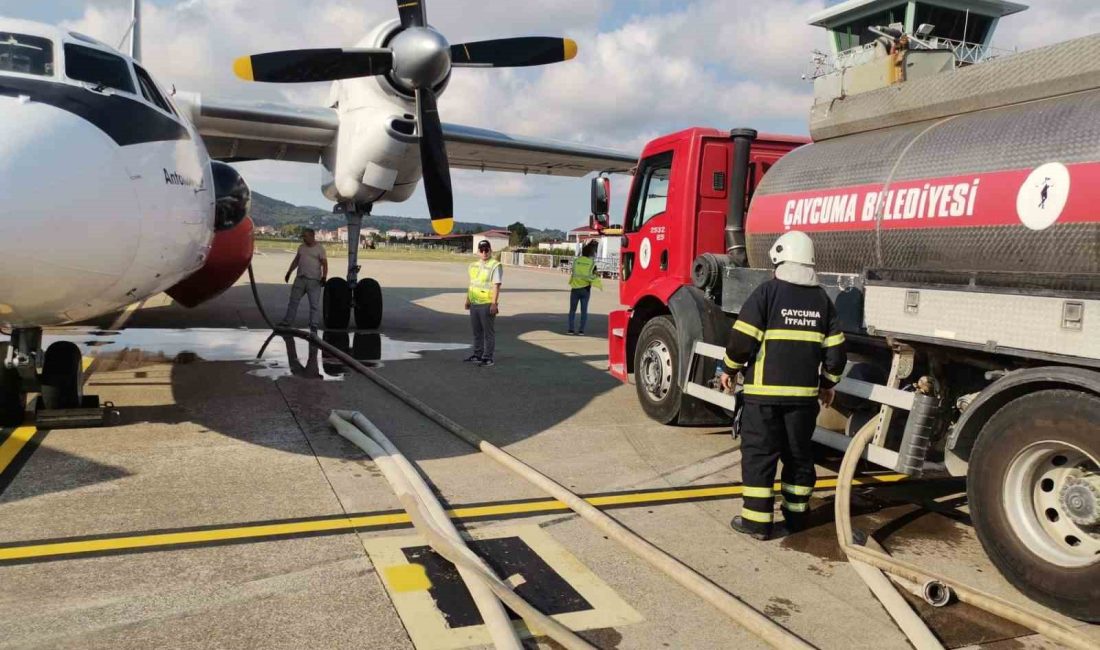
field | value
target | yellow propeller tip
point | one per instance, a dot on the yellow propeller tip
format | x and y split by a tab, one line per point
242	67
570	48
443	226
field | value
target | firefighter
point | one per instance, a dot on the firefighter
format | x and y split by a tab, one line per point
788	343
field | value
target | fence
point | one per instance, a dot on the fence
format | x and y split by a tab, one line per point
608	267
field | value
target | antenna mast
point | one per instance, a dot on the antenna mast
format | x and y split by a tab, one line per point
135	33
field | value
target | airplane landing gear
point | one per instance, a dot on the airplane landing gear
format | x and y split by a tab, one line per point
60	384
343	297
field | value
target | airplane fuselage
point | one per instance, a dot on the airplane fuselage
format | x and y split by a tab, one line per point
106	191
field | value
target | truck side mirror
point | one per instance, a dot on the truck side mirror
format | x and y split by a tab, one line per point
601	197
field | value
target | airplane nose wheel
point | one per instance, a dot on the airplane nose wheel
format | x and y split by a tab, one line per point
62	375
336	304
13	399
368	304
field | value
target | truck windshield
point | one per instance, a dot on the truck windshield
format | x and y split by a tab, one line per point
650	196
26	54
97	67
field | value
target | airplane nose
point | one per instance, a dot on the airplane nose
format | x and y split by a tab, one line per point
69	216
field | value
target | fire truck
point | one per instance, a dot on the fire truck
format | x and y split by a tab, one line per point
955	212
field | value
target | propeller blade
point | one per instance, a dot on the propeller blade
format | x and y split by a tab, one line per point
513	52
434	166
412	13
328	64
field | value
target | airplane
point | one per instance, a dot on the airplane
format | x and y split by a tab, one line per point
113	190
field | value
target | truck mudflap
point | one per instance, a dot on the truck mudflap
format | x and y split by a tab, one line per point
618	323
697	318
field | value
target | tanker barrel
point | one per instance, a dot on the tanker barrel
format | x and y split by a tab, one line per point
735	216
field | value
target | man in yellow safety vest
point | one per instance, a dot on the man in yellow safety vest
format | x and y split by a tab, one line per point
581	280
486	276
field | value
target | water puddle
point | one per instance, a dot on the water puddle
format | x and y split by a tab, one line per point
283	357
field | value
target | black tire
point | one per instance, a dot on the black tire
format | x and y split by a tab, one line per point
656	370
1051	420
368	304
336	304
13	401
62	377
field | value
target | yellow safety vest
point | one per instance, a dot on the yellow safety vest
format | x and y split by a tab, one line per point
584	273
481	285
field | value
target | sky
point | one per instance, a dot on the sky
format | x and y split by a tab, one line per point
644	68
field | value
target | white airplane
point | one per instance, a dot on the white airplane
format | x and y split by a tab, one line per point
112	190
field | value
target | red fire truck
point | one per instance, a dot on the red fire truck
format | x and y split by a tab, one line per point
956	227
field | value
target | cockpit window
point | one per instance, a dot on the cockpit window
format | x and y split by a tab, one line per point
26	54
149	90
97	67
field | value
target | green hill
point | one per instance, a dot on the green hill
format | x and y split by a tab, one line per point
267	211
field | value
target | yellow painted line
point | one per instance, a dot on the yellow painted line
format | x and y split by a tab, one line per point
348	524
14	444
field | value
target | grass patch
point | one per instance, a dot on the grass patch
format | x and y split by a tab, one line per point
382	253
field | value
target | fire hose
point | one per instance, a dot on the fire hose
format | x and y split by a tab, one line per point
1040	623
738	611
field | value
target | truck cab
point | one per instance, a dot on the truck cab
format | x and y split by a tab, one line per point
676	212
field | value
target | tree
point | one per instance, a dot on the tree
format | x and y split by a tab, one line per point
519	234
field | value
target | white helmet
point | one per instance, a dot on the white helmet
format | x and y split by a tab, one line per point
795	246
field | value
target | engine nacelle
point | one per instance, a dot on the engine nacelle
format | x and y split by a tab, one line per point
231	247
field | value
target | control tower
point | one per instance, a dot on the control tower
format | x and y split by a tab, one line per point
964	25
879	43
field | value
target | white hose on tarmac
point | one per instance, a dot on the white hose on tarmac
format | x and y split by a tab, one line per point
1036	621
736	610
431	521
755	622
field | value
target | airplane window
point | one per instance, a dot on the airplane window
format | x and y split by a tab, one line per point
97	67
149	90
26	54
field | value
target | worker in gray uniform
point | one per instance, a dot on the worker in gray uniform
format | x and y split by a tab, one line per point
788	345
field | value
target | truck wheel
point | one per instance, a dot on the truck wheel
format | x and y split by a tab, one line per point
656	370
1034	491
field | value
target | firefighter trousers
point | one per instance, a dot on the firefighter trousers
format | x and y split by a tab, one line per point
771	433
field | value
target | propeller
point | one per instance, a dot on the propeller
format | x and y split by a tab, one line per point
419	58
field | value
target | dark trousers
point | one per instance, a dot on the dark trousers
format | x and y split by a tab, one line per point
485	334
579	296
770	433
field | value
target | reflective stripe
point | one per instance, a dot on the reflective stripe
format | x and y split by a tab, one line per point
798	490
795	507
793	335
758	367
831	377
834	340
757	492
781	391
745	328
761	517
730	363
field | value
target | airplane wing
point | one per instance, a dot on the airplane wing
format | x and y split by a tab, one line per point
236	130
470	147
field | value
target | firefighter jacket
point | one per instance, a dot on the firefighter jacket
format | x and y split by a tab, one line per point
787	342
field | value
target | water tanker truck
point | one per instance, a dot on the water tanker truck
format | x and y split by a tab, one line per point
955	212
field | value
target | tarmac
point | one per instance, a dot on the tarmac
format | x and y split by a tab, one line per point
223	510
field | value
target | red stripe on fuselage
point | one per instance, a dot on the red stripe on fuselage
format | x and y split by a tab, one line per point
984	199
